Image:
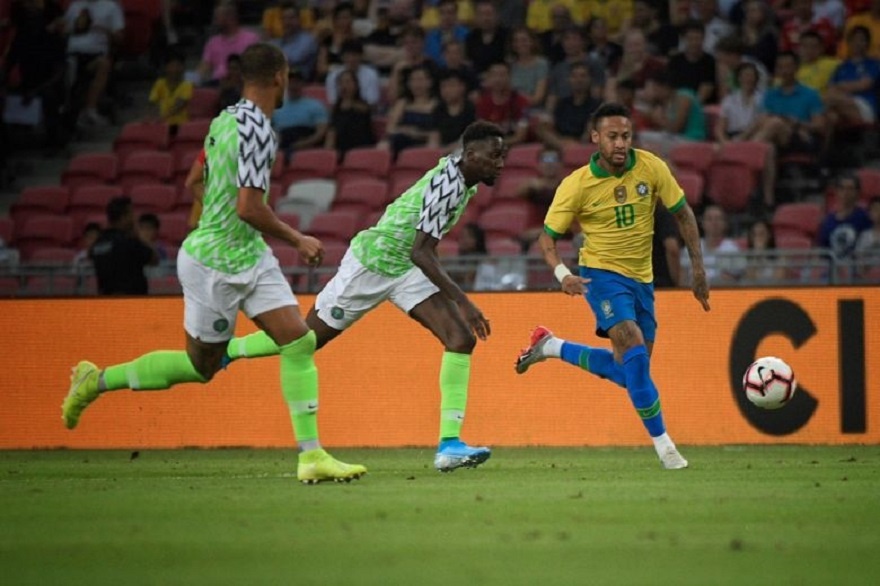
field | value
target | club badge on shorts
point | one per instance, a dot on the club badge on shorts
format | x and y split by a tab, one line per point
620	193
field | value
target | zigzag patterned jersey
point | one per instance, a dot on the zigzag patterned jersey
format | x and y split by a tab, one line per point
432	205
239	152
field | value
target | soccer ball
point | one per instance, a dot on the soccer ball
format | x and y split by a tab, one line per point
769	383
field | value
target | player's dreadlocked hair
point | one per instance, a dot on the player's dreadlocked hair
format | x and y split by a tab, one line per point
261	62
607	110
480	130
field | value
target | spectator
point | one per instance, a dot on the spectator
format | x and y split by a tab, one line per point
571	114
626	95
600	48
411	119
487	42
454	55
301	122
666	253
330	48
815	68
90	234
119	255
95	26
351	122
511	13
676	114
729	56
381	46
230	40
528	70
541	14
575	53
636	65
714	26
539	191
273	18
232	83
693	68
852	94
431	15
868	243
871	21
503	105
298	45
763	266
148	226
718	250
37	52
454	112
833	10
841	228
804	19
449	29
613	13
413	42
551	39
367	76
662	39
758	33
793	117
9	257
171	93
741	110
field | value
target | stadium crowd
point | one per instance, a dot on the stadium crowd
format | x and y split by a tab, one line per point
765	110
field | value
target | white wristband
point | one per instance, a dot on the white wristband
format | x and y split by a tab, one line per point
561	271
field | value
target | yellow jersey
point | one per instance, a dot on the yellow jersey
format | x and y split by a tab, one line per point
166	97
615	212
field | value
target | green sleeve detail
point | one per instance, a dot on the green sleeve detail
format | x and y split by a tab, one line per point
678	205
554	235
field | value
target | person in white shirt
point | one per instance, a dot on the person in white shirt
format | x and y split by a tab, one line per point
720	254
367	76
94	27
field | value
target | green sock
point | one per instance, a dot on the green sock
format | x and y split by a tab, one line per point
299	385
154	371
253	345
455	370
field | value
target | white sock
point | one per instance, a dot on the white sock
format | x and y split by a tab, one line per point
662	443
553	347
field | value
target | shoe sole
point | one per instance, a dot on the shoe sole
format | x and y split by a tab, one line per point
522	362
345	479
468	462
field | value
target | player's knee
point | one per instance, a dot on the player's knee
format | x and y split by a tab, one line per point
461	342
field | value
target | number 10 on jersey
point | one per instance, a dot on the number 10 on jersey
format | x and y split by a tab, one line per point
625	215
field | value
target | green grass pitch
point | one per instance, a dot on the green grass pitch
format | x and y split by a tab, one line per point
740	515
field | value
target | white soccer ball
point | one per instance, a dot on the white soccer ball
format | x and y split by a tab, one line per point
769	383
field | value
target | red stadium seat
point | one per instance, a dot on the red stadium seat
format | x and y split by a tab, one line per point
146	167
205	103
418	159
91	169
364	163
44	231
692	184
869	183
140	136
311	164
731	185
503	246
91	200
797	218
575	156
154	198
792	241
53	255
183	162
173	227
52	199
190	136
316	91
7	229
692	156
334	226
523	156
510	182
361	196
509	219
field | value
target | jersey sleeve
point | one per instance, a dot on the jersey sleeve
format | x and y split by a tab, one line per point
156	92
564	207
667	188
256	150
442	196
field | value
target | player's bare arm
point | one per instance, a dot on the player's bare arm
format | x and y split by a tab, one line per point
424	256
252	209
571	284
690	233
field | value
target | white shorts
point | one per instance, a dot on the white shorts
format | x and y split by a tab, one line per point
211	299
355	290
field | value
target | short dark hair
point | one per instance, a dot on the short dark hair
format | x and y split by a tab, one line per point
730	44
503	64
453	74
117	208
343	7
693	25
790	54
480	130
609	110
92	227
848	177
150	219
174	56
261	62
810	34
413	30
746	65
233	58
352	46
860	29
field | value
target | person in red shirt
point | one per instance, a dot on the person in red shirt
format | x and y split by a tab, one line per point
502	105
802	20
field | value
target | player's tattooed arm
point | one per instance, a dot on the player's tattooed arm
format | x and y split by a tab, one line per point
690	233
571	284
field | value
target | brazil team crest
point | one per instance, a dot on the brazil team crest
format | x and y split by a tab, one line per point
642	189
620	193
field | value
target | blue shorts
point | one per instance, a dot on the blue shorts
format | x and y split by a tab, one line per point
615	298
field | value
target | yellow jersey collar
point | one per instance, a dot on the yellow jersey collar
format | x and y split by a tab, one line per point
600	173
